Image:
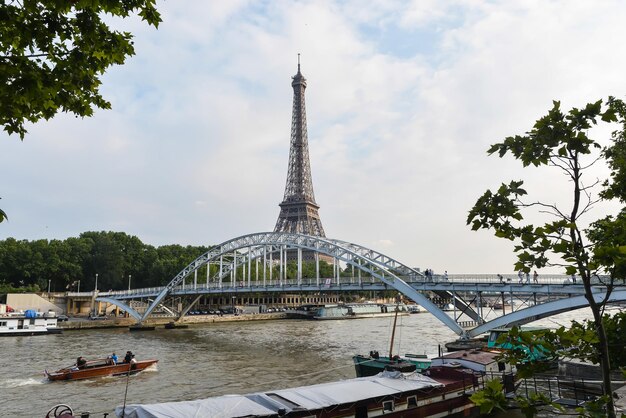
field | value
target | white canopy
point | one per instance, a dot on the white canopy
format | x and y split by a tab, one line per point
301	398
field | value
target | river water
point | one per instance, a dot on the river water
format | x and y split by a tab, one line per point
207	359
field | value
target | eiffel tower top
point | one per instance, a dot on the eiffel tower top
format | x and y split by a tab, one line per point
299	79
298	212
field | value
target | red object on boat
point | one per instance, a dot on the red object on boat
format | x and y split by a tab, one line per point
99	368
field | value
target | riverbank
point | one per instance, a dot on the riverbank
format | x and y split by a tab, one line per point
79	323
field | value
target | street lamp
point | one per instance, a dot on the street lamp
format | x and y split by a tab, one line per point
49	286
95	288
129	277
78	290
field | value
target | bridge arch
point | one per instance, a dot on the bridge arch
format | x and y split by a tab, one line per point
123	306
543	310
380	266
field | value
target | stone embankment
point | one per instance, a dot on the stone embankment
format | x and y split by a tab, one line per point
187	320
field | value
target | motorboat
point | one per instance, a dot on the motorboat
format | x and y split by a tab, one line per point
99	368
375	363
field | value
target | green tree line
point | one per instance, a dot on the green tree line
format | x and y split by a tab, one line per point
114	256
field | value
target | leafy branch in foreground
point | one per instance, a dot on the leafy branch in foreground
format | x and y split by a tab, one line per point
53	53
561	141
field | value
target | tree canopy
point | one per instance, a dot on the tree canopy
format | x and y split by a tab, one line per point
53	53
561	141
114	256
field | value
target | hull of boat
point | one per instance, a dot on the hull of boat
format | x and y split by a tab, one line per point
359	316
30	332
100	371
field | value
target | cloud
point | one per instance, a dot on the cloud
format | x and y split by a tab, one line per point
403	100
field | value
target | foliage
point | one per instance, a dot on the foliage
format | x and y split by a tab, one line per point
113	255
490	398
3	215
561	141
557	140
53	53
8	288
535	402
580	342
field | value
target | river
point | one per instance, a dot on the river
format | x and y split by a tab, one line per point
206	360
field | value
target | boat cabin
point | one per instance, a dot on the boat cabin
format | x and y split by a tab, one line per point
537	354
482	361
29	323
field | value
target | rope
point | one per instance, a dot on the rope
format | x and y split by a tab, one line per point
126	391
400	335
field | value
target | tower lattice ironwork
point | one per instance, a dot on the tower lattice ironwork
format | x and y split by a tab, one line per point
298	211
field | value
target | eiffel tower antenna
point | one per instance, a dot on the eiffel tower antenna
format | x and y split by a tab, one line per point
298	211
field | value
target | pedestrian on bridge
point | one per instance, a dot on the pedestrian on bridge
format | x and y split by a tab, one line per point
527	278
536	277
520	276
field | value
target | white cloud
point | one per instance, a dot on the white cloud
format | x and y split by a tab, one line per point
195	149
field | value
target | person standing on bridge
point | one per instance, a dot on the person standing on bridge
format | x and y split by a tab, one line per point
536	277
520	275
527	278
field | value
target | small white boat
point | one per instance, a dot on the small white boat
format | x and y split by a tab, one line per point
413	309
28	323
360	310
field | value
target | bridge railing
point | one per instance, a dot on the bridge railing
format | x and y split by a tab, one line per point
327	282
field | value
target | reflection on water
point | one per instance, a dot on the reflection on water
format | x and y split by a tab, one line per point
206	360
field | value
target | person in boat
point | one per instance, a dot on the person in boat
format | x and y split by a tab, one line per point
133	362
81	362
128	357
112	359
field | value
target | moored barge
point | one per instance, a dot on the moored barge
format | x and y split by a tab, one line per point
439	392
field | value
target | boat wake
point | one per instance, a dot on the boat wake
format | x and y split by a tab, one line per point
16	383
152	368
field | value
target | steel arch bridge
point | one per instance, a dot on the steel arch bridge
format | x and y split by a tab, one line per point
242	251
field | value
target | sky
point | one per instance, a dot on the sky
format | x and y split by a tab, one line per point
403	100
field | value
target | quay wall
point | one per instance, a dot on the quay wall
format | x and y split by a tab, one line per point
188	320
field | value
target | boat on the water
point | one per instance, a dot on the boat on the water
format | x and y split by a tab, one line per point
99	368
359	310
439	392
29	323
374	363
414	309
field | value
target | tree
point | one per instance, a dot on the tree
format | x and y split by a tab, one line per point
53	53
561	141
3	215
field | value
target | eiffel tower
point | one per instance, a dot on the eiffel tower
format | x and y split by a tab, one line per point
298	211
